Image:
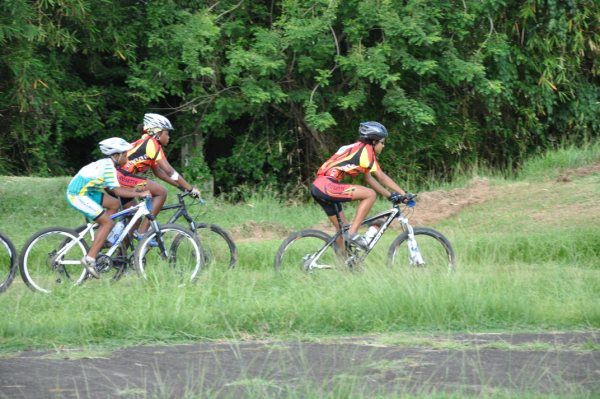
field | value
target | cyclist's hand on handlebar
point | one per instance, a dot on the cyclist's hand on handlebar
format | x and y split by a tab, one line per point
195	193
395	198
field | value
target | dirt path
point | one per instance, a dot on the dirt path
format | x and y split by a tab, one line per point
559	363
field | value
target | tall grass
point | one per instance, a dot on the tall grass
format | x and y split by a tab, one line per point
550	163
526	260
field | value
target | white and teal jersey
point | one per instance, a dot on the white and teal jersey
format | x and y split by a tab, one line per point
94	177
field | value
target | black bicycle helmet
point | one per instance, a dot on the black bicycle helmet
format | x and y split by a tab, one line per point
372	131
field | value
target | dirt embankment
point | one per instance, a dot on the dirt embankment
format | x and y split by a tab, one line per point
432	207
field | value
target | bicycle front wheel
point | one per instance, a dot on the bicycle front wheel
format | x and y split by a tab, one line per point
52	257
8	262
218	246
307	250
432	252
173	255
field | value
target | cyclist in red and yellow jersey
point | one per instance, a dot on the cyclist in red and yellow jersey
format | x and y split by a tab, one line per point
147	154
353	160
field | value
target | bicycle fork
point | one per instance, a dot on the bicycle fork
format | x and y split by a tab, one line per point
414	254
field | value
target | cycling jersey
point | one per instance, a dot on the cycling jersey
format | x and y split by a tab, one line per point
350	160
146	152
94	177
84	192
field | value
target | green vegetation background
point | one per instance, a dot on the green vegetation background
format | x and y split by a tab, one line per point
262	91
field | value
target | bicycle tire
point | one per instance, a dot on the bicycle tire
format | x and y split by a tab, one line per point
40	271
7	247
185	257
288	256
213	246
435	248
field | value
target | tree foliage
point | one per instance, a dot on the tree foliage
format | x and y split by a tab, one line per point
263	91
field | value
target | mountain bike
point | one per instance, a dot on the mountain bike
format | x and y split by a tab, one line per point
8	262
418	247
217	245
53	256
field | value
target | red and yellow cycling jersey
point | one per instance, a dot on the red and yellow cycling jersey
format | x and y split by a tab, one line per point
351	160
144	155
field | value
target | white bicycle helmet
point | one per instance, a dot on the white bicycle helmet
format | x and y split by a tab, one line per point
154	123
114	145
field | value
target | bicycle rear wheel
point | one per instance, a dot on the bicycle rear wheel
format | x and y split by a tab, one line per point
436	252
218	246
306	250
181	260
8	262
51	258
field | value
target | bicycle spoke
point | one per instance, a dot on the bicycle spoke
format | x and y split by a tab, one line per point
181	262
46	262
306	252
432	252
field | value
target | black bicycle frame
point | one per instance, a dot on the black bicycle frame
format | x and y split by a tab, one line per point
181	212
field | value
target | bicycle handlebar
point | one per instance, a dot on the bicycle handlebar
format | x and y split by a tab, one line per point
407	199
188	193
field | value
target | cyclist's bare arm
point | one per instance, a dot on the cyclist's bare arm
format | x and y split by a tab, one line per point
128	192
164	171
385	180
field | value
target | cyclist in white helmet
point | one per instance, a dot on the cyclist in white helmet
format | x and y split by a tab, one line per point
147	154
85	193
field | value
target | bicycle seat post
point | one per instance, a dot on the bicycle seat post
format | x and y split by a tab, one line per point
341	225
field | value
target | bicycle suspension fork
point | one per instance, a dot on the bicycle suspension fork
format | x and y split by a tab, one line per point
416	259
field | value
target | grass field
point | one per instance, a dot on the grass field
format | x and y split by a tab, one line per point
527	260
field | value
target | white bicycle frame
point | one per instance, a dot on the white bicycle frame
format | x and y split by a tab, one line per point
415	257
140	210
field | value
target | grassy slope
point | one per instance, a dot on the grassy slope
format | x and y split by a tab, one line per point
527	259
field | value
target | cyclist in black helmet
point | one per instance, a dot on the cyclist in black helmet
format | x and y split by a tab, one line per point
352	160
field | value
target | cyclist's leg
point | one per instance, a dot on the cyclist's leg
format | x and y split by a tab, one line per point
159	196
158	192
334	220
91	206
339	192
367	197
105	223
330	204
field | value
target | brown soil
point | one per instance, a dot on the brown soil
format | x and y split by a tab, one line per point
438	205
251	230
434	206
567	175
